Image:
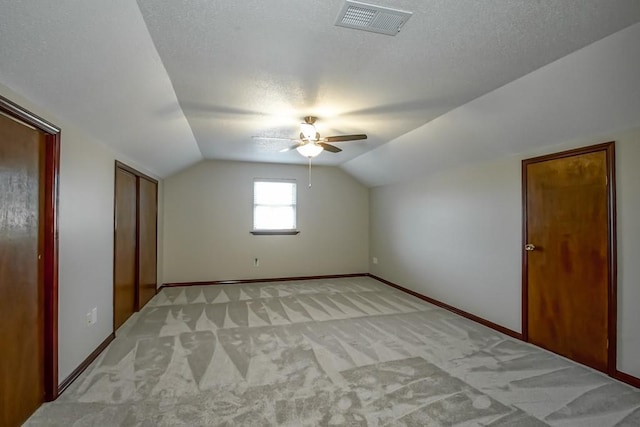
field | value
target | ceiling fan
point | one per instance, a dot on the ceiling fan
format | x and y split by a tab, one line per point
309	144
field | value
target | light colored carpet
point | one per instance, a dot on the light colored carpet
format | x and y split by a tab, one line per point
342	352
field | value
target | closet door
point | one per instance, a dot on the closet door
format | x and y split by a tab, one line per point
147	239
125	246
21	280
135	261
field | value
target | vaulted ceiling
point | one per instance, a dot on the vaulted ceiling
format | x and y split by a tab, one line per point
169	82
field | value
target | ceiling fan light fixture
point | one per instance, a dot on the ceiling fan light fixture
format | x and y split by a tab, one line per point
309	150
308	131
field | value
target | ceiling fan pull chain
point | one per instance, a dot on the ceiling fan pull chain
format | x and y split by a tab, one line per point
309	172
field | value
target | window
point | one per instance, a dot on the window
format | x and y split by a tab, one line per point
274	207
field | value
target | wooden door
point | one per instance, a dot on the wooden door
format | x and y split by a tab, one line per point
135	247
125	271
147	240
22	160
568	254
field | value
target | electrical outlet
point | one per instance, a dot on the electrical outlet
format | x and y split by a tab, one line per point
92	316
256	262
374	260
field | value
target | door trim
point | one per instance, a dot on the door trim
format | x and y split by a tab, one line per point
51	197
612	303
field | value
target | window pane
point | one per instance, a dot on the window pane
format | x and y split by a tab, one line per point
274	218
274	193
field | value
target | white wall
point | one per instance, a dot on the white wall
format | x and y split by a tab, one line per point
208	216
456	236
85	218
628	205
86	247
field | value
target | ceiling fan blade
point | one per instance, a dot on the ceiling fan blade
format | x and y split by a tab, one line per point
274	138
330	148
341	138
293	147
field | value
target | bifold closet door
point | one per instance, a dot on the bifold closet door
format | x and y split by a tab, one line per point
125	246
147	239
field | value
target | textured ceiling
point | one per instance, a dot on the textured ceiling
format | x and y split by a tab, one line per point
581	98
168	81
93	64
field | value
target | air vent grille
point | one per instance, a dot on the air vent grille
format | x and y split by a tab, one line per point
369	17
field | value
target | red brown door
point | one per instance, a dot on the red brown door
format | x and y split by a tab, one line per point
21	275
135	247
147	241
125	247
567	264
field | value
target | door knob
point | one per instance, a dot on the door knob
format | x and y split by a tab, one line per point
529	247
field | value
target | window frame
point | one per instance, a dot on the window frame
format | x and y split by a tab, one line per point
269	231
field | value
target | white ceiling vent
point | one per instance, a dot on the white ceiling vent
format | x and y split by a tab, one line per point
369	17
